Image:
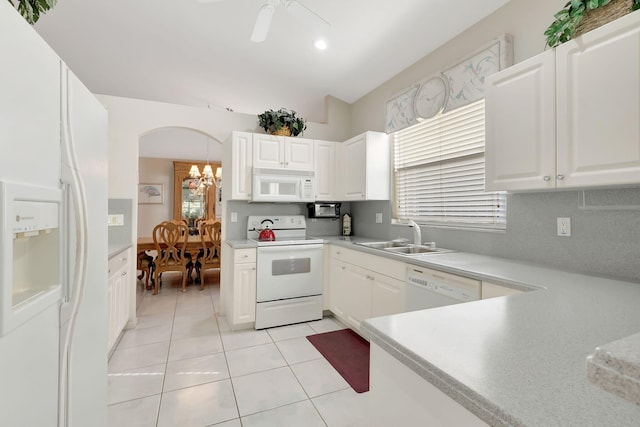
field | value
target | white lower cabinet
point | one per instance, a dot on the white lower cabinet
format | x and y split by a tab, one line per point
492	290
387	296
240	286
119	295
399	396
359	290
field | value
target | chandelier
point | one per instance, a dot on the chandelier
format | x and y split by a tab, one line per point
200	182
207	178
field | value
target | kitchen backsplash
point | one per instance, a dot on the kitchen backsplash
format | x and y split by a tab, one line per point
605	233
315	227
121	234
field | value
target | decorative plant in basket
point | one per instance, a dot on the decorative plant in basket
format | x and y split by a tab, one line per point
571	20
281	122
31	9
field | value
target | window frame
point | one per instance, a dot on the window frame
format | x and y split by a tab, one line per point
499	224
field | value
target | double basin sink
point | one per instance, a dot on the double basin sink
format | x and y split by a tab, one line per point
404	248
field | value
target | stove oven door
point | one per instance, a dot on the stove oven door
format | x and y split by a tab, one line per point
289	271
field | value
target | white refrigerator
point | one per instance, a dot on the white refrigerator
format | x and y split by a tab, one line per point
53	237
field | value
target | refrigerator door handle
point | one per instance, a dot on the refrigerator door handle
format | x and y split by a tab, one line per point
76	292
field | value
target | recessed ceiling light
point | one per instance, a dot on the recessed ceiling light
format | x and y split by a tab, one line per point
320	44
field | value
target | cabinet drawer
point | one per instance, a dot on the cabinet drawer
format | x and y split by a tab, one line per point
244	255
379	264
118	261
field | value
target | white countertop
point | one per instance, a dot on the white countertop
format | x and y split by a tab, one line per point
115	248
521	359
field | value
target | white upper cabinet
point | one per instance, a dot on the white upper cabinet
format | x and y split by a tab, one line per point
598	100
568	118
366	159
240	157
520	145
326	170
270	151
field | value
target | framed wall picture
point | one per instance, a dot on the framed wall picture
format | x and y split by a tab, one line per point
150	194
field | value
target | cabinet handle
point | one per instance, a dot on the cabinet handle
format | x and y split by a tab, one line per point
547	178
286	163
124	259
438	277
560	177
124	273
370	277
337	252
342	268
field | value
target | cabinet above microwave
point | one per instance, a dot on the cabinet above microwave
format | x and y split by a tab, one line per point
358	169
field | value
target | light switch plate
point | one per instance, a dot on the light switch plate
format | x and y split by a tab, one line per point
379	218
234	216
114	220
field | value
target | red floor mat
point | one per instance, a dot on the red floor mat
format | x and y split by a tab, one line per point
348	353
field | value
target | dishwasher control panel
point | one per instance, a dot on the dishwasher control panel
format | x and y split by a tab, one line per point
456	287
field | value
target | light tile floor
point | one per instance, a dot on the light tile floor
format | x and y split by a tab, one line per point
183	367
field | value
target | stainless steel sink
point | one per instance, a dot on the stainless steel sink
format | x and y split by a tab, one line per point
404	248
385	245
414	249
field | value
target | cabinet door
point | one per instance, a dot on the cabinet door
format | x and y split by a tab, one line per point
387	296
244	293
110	314
325	161
357	294
598	96
337	294
520	128
355	173
298	153
268	151
242	164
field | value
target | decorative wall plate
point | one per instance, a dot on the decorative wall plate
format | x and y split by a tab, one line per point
431	97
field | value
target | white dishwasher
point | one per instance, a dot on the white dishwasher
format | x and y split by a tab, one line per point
427	288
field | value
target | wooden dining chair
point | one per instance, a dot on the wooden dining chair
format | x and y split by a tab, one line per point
170	240
209	256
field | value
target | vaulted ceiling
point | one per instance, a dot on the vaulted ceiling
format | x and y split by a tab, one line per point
198	52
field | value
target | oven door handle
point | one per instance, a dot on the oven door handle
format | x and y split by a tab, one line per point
291	249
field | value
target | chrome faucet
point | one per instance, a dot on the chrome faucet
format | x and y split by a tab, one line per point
417	233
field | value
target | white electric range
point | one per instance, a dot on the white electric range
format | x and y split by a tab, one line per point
289	271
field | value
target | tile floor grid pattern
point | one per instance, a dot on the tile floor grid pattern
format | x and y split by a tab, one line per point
183	366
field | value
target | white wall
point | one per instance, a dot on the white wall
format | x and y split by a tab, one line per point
155	171
525	20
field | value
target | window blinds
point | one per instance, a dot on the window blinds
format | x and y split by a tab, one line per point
439	172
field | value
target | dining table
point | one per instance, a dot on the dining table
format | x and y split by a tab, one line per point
194	244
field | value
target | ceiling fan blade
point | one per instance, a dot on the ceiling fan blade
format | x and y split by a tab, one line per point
263	22
303	13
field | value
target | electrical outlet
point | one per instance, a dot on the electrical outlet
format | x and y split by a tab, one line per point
564	227
379	218
234	216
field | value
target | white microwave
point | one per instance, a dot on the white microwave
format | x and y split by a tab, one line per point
283	185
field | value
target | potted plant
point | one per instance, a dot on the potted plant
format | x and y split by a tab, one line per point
571	20
281	122
31	9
